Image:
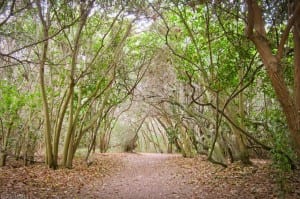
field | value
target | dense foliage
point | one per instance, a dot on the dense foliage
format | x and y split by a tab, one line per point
195	77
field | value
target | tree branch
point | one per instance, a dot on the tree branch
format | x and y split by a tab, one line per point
41	41
286	33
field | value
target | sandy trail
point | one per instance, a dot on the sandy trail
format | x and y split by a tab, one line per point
147	176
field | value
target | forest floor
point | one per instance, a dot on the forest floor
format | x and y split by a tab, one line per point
137	176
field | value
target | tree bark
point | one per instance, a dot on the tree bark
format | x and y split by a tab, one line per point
68	145
47	131
296	35
257	34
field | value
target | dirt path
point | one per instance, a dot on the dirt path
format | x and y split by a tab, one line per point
151	176
147	176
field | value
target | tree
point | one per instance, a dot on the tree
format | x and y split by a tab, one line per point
208	65
273	56
12	102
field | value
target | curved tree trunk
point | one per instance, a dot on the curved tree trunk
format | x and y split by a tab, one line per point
290	103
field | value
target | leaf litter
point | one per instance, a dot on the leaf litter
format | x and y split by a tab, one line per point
207	180
39	181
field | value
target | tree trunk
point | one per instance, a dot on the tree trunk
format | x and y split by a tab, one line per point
58	128
4	148
296	34
102	143
170	148
71	153
186	143
238	149
3	157
70	133
47	129
290	104
69	140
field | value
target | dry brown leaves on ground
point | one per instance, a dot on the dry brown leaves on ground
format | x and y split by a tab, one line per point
38	181
239	181
204	179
